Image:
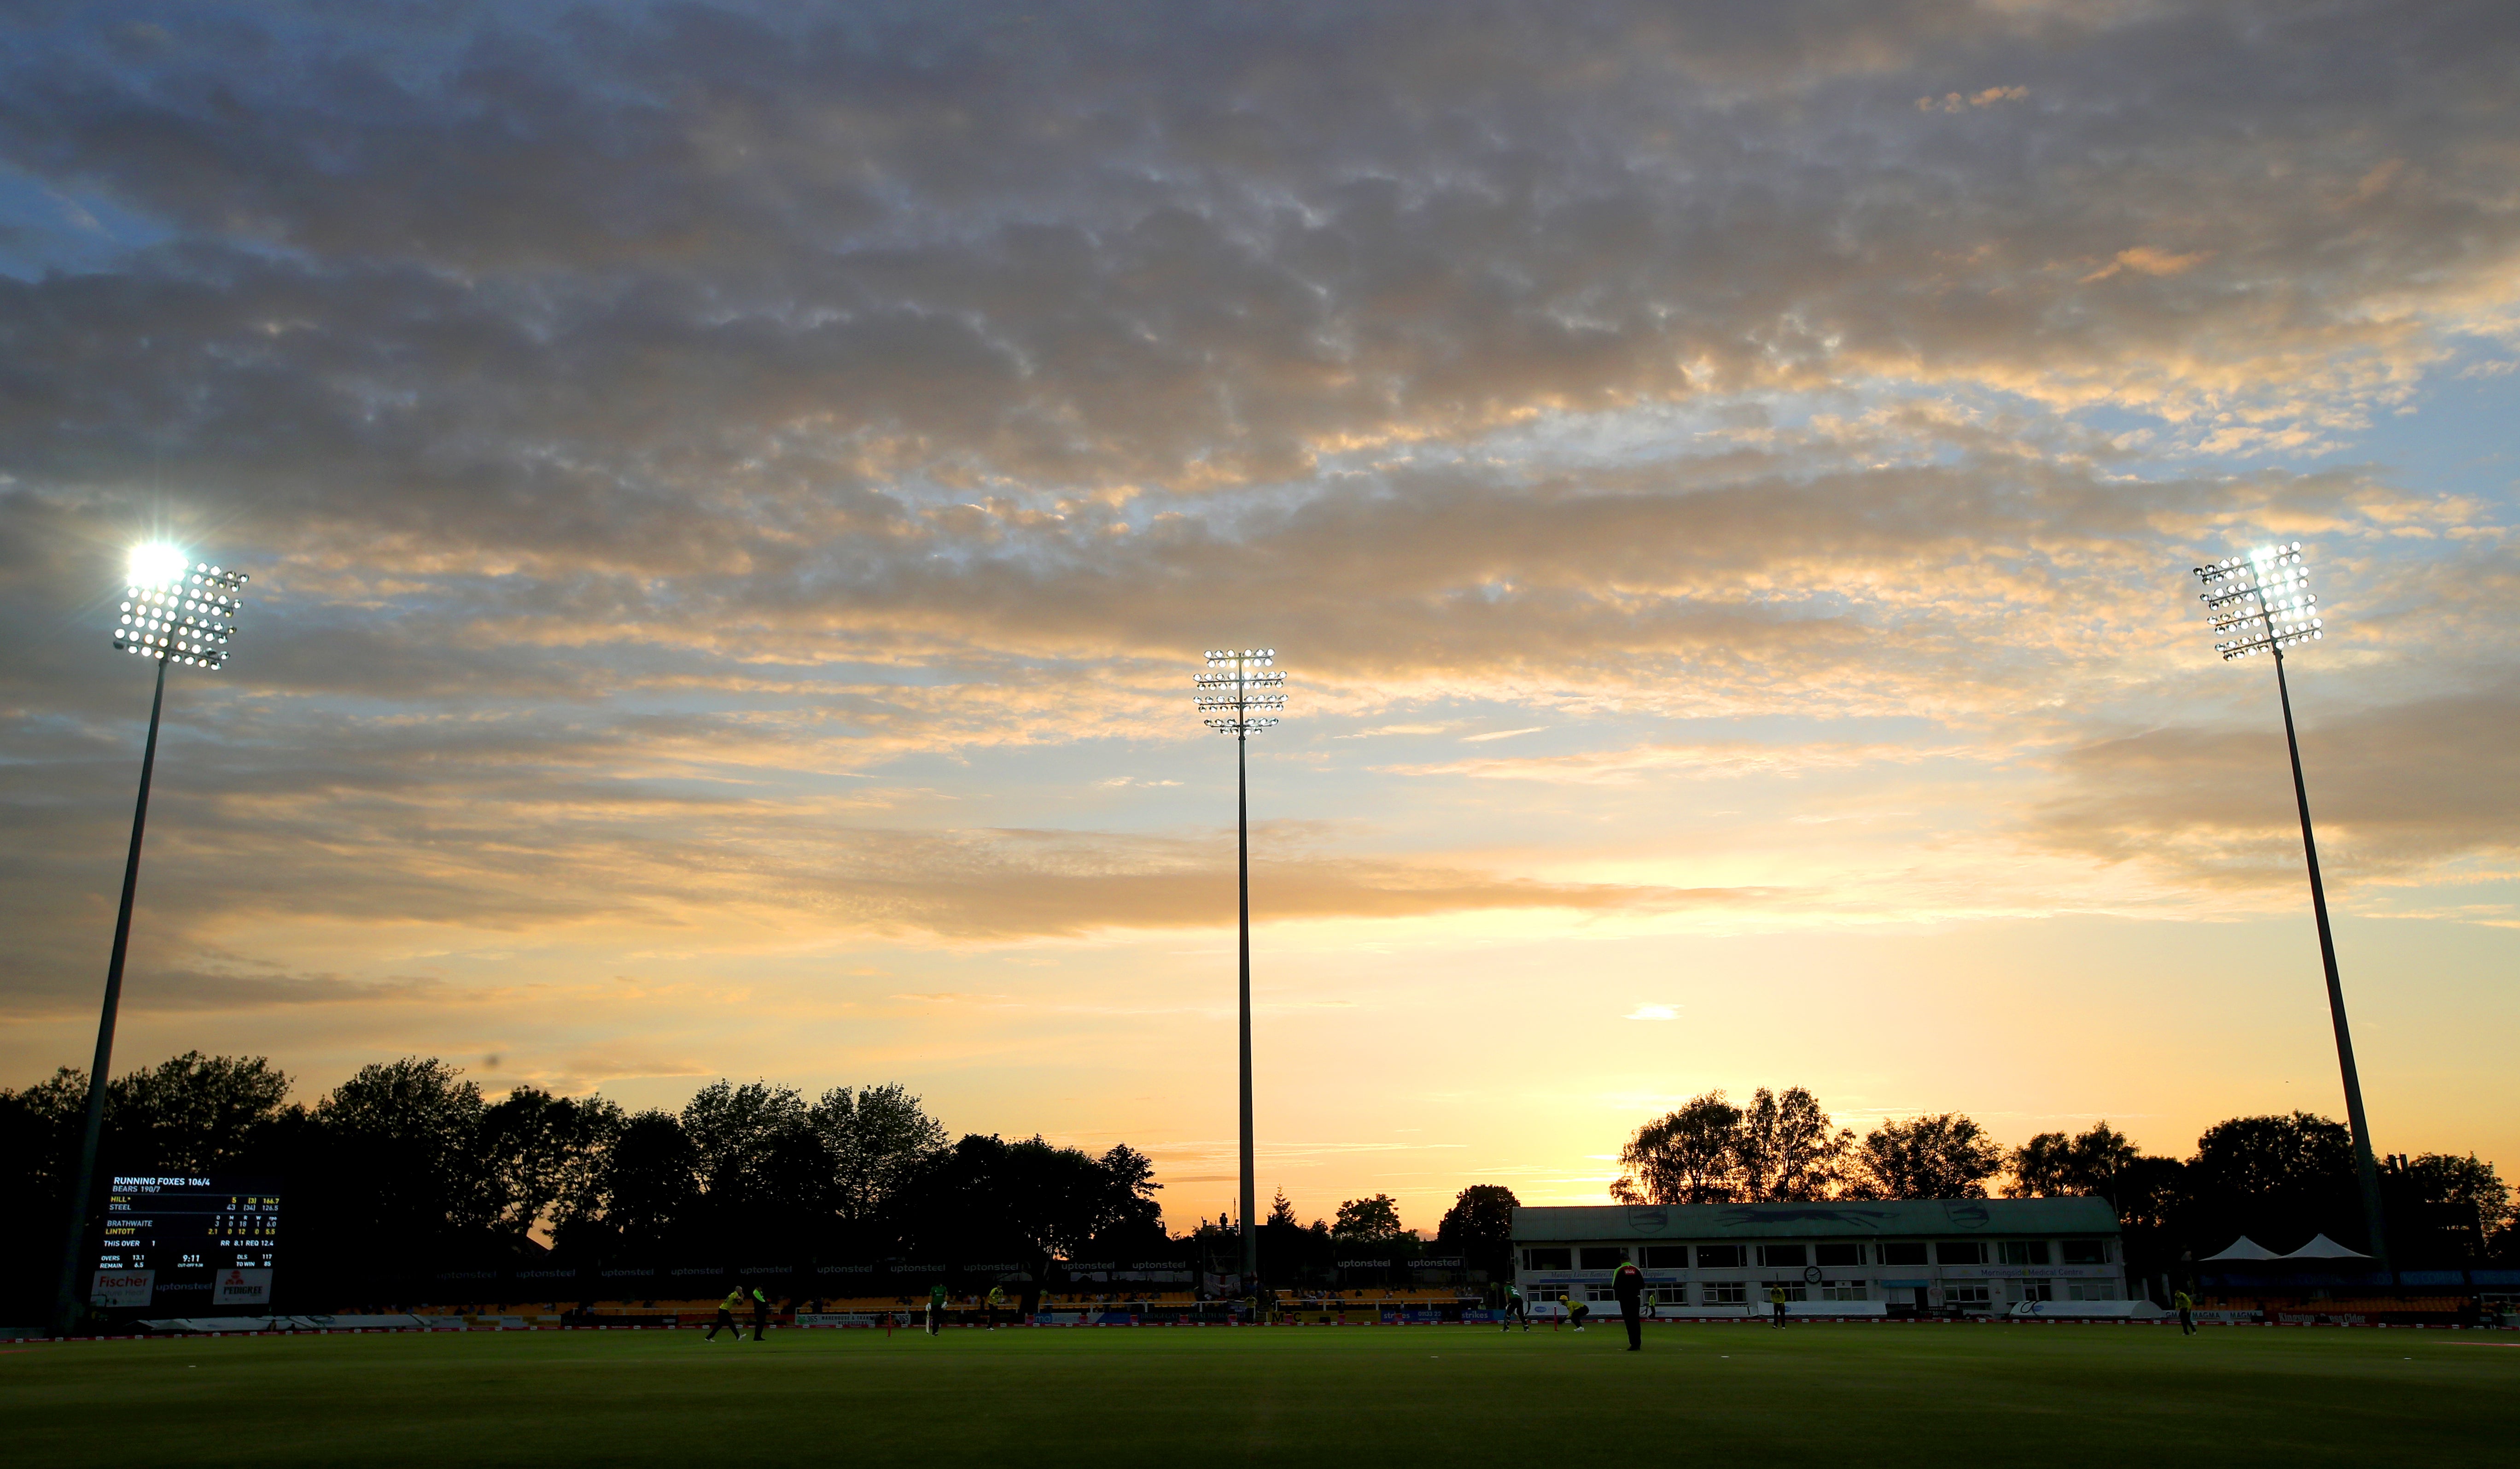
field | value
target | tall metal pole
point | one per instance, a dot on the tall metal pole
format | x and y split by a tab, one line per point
67	1296
1239	693
2368	1169
1242	873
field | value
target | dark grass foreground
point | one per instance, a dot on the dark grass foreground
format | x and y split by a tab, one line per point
1954	1397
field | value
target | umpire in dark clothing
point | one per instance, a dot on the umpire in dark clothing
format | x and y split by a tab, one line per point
1630	1287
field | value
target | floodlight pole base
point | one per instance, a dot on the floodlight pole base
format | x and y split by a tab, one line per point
2365	1167
67	1296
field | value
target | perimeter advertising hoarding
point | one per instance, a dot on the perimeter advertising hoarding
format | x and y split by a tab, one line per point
121	1288
241	1288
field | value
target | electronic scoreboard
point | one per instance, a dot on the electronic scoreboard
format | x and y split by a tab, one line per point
180	1241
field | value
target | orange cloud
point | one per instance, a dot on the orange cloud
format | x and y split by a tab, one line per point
2143	259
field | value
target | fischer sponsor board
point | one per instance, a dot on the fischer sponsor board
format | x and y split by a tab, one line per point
122	1288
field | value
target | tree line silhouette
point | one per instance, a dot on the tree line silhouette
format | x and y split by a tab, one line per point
2279	1179
406	1171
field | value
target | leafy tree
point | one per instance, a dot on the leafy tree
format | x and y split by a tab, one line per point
386	1182
1289	1252
1781	1146
1788	1148
1068	1201
647	1192
986	1197
2274	1156
1374	1220
2279	1179
43	1120
2443	1208
2044	1168
38	1129
877	1138
1946	1156
194	1114
2054	1166
401	1140
1691	1156
1480	1225
543	1156
2102	1154
1133	1177
2148	1191
737	1131
765	1174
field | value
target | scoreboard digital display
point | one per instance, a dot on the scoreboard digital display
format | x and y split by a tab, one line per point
178	1235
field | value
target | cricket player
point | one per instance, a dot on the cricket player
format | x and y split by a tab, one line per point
1629	1285
726	1310
1514	1309
1576	1311
935	1307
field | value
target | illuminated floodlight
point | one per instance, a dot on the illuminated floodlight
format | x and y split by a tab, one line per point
1240	693
2261	601
177	611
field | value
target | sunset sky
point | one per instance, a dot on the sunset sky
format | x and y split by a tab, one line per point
736	497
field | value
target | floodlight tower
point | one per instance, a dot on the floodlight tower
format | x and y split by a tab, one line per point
2262	603
1239	693
177	613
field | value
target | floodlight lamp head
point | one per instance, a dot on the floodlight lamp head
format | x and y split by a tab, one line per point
1237	687
2261	601
182	613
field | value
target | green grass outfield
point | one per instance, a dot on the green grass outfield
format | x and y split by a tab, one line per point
1951	1395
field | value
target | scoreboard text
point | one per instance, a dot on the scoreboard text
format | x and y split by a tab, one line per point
189	1225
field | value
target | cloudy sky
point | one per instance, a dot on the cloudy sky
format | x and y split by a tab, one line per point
735	496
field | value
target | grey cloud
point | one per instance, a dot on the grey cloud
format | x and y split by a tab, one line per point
620	253
1769	580
2398	790
554	366
534	848
31	991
